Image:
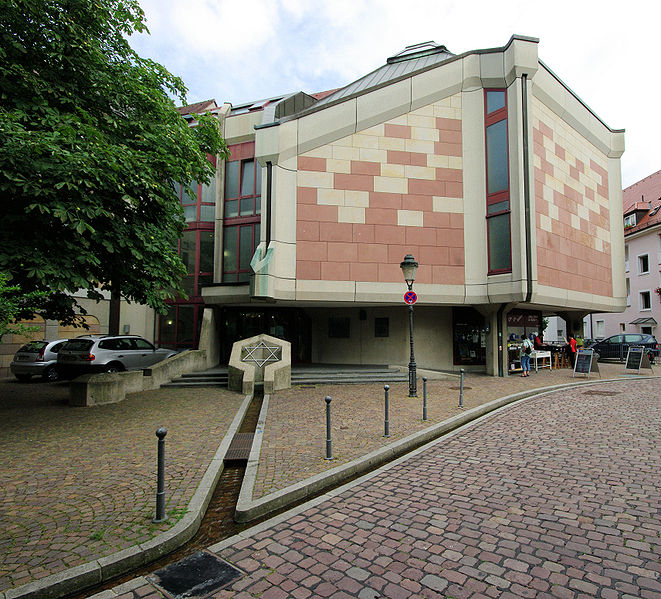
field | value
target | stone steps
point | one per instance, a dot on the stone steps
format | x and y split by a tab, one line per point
303	375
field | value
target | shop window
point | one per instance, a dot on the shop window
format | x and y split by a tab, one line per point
381	327
242	210
645	300
497	175
339	327
469	337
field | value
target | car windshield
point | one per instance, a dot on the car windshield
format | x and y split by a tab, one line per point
79	344
34	347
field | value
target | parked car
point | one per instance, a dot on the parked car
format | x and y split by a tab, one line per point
37	358
106	353
617	346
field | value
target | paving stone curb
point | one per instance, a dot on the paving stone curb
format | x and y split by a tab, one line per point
248	509
80	577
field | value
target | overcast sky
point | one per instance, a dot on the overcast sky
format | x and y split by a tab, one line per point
607	52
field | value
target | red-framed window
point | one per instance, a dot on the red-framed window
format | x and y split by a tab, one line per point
196	248
499	242
198	200
242	212
179	328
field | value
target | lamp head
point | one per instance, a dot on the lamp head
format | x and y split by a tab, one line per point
409	267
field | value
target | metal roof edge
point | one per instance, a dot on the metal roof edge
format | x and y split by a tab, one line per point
454	58
592	112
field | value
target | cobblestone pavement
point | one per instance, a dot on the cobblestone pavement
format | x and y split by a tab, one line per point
77	484
555	497
294	440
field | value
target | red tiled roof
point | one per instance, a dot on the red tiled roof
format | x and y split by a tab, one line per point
198	107
322	95
645	195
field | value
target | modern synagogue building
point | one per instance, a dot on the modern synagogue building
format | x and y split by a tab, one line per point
484	166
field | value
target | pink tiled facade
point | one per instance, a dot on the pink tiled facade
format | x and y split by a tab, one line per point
572	213
366	200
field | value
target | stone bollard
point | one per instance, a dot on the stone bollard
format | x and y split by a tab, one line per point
461	389
386	422
160	484
329	443
424	398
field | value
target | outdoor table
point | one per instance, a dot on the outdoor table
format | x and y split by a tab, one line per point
541	355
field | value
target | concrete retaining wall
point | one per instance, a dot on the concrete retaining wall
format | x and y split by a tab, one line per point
99	389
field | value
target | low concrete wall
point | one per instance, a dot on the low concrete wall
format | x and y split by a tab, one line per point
99	389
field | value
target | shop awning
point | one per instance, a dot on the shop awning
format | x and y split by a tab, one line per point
648	320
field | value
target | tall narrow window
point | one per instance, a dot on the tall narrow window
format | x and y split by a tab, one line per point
242	215
497	171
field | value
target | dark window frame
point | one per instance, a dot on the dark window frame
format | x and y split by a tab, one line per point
381	326
339	327
243	154
501	196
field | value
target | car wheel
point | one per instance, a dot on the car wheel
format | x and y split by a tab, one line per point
51	374
114	367
23	377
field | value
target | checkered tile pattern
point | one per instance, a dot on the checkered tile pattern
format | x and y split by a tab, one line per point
369	198
572	203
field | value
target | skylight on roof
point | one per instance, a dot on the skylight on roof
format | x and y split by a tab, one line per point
418	51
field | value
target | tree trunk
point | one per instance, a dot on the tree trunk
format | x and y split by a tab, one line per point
115	303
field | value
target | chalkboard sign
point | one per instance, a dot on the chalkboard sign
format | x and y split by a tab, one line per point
637	359
585	363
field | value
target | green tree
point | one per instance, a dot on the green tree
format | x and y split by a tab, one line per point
14	305
91	145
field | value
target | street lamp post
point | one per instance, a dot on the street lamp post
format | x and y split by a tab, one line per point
409	267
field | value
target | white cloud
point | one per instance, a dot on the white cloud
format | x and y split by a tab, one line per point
234	51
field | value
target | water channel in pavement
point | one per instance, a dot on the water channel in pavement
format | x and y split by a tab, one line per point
218	522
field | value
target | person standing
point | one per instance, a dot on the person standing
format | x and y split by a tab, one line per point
524	355
572	349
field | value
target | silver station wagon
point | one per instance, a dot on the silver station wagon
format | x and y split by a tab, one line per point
105	353
37	358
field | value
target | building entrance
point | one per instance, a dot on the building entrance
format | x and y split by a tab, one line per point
290	324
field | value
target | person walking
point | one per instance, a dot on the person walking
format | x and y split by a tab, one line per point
524	355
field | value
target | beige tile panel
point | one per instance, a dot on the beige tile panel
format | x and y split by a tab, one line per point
351	214
438	161
345	152
330	197
422	147
392	143
421	122
410	218
452	205
371	155
420	172
315	179
456	162
334	165
393	170
358	199
424	133
390	184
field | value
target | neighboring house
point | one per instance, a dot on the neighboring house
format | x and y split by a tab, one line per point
487	168
642	264
134	318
